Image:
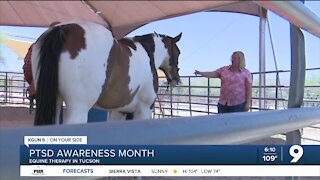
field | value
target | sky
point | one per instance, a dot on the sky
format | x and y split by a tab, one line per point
209	38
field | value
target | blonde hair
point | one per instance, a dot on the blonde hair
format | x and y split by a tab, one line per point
241	58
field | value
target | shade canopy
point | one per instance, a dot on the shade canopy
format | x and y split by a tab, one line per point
122	17
19	47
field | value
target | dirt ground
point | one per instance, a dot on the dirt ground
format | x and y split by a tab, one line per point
15	117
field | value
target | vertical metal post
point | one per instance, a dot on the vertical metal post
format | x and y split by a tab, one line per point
171	103
6	87
24	94
190	106
262	58
208	97
277	90
297	79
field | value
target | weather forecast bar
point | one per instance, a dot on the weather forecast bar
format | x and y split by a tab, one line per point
79	154
73	156
163	170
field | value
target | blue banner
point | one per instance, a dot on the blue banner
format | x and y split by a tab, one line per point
169	155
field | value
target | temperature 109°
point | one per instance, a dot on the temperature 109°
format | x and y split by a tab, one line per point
269	158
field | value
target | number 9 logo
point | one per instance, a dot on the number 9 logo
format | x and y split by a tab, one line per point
296	151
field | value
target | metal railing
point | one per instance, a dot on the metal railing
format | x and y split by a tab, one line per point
13	88
199	96
195	96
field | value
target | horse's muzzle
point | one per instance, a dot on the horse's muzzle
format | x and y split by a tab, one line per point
173	83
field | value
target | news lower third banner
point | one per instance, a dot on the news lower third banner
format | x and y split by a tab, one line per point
74	156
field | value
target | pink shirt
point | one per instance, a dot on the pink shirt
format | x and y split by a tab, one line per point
233	89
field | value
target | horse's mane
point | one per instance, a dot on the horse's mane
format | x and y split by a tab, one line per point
143	39
148	44
128	42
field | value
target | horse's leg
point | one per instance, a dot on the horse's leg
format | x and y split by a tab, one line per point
58	109
142	112
77	113
80	85
78	101
116	115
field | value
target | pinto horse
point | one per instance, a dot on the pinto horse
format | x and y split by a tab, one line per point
82	64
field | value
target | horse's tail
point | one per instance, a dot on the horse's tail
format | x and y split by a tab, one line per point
50	44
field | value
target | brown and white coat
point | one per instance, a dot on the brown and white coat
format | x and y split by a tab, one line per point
82	64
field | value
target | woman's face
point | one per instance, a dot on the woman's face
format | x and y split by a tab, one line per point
235	60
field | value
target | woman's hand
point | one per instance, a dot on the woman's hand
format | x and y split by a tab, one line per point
246	107
196	72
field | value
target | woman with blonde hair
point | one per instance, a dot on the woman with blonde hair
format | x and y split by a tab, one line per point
236	84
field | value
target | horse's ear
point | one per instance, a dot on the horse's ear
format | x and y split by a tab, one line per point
156	33
177	38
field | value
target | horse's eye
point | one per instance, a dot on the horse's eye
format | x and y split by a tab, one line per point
178	69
